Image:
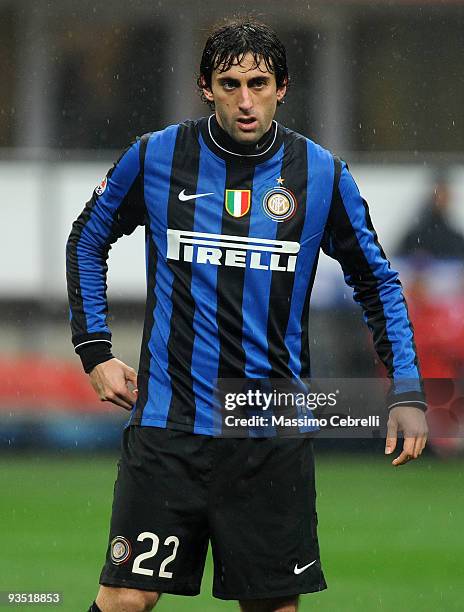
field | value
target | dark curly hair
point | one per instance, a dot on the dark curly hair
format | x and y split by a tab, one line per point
229	43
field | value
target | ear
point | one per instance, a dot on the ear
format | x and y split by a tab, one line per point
281	91
208	94
206	90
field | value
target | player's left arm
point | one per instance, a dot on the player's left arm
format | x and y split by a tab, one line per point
350	238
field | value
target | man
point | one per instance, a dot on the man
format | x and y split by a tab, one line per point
235	208
433	234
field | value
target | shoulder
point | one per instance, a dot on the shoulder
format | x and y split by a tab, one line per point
292	137
133	156
189	126
152	146
321	160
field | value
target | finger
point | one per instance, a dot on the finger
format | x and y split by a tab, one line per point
126	396
407	452
402	459
120	397
424	443
118	402
408	445
131	376
122	389
392	433
418	446
131	395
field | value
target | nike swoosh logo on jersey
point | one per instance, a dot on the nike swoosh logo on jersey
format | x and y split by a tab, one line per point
183	197
299	570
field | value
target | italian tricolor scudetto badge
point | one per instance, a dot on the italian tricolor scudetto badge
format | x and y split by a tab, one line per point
238	202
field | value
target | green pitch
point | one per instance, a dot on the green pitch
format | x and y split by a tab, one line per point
391	539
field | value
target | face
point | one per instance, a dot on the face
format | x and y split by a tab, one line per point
245	99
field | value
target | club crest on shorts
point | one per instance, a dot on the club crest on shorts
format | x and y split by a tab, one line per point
238	202
120	550
99	189
279	204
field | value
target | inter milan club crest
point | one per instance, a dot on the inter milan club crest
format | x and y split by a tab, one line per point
238	202
120	550
279	203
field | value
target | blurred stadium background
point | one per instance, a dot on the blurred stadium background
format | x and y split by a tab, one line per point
381	84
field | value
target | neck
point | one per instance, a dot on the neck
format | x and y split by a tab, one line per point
224	140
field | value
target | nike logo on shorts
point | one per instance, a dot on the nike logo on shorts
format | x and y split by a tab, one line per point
183	197
300	570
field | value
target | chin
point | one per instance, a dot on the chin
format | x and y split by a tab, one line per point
249	138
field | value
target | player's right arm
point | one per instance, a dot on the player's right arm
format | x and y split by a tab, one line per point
115	208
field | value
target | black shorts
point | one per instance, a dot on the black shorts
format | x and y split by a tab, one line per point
253	498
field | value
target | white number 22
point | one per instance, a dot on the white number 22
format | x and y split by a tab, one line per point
147	535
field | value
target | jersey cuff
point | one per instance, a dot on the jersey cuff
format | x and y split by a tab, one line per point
409	398
93	352
86	338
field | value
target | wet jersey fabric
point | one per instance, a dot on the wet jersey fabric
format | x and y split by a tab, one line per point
232	244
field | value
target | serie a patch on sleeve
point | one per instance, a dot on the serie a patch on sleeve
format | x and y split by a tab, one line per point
99	189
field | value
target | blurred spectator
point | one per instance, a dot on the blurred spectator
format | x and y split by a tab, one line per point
439	329
433	234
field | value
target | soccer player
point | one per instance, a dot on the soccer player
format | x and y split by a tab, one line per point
236	208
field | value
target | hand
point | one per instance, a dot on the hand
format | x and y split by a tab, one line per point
110	378
411	421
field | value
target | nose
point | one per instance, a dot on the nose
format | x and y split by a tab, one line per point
245	102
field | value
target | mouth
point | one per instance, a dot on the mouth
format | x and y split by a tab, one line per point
247	124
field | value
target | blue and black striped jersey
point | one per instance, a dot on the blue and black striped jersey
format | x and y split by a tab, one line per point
232	245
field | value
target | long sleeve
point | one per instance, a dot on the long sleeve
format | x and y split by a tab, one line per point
115	208
351	239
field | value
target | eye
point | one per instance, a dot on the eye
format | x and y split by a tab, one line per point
259	84
228	85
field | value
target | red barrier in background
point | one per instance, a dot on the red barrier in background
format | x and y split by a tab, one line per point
35	381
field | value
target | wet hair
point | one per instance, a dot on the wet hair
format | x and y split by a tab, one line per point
229	43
